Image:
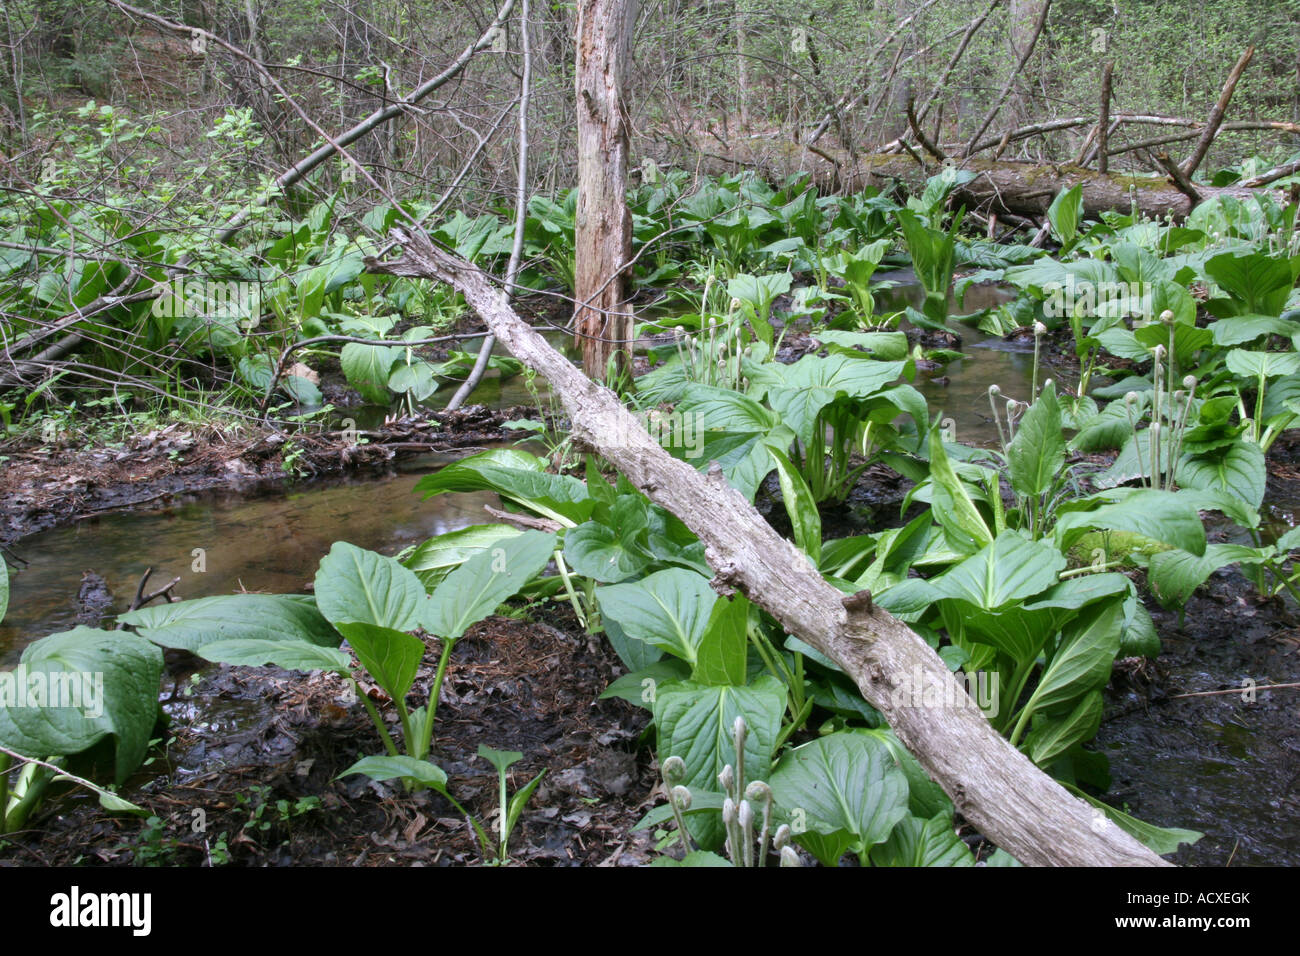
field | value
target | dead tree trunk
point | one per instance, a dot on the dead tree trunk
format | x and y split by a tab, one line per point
992	784
604	228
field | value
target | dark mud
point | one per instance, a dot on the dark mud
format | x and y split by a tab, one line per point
248	776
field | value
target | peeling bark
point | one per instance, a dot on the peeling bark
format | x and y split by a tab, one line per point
602	323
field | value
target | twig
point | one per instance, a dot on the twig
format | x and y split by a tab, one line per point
523	521
1179	177
1103	120
1236	690
1024	58
919	133
521	211
1216	114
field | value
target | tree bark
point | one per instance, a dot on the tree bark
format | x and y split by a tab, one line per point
992	784
602	325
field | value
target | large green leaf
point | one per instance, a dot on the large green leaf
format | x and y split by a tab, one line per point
918	842
1259	283
1064	214
434	559
800	506
103	682
353	584
1159	515
289	654
1175	575
613	550
367	368
1010	569
387	768
1237	469
481	584
695	722
1054	736
669	609
391	657
723	651
1082	662
189	625
953	508
517	477
1037	453
1252	365
844	782
1159	840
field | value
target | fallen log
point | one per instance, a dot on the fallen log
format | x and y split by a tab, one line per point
991	784
999	187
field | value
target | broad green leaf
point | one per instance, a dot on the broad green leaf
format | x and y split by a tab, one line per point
1053	736
1065	213
952	505
1083	660
695	722
613	550
641	686
290	654
1237	469
1037	453
670	609
388	767
846	781
1252	365
1160	840
884	346
517	477
799	505
391	657
723	651
367	369
482	583
1010	569
1239	329
353	584
1175	575
1259	283
81	686
918	842
434	559
189	625
1159	515
503	760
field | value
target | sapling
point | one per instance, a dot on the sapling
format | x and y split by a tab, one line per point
510	807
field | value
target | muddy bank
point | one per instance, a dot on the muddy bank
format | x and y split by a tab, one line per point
248	778
43	485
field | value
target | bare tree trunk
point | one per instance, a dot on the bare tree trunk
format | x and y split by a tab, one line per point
992	784
604	229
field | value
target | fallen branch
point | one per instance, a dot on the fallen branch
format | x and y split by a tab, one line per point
992	784
1216	114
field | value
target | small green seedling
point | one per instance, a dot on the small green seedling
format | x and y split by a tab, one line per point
510	807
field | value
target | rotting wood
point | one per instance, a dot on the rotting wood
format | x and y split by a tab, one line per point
1000	186
992	784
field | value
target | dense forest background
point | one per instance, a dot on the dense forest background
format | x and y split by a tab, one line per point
192	120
